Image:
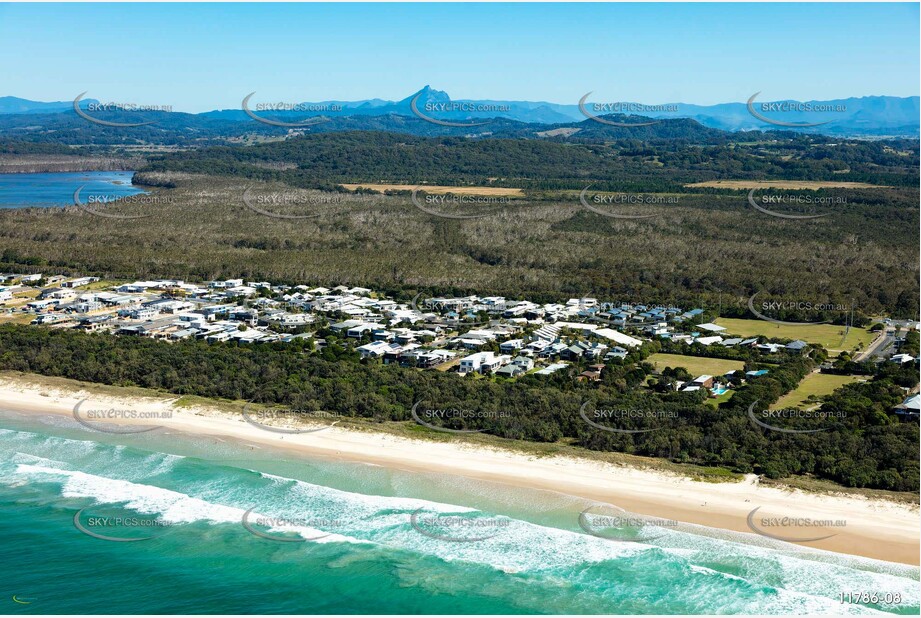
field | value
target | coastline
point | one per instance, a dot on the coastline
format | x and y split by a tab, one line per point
874	528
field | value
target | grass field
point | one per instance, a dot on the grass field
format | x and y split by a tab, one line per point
815	384
829	336
808	185
441	189
696	365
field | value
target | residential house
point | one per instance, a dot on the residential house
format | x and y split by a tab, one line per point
617	337
592	374
704	381
909	408
552	368
510	371
796	346
511	345
616	352
482	362
708	340
57	294
523	361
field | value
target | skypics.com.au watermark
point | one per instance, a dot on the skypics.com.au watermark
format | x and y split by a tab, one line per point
289	421
633	108
427	109
288	205
117	420
86	112
613	523
435	204
599	203
458	528
792	107
466	107
764	309
623	107
119	528
623	419
286	529
441	306
804	204
286	107
792	529
127	107
780	419
439	418
98	204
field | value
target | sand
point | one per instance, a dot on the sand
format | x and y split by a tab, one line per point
873	528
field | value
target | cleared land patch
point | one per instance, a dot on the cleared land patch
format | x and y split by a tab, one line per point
829	336
440	189
815	385
697	365
809	185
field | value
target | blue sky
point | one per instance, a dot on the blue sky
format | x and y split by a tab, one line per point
206	56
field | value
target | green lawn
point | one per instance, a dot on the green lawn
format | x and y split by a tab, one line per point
829	336
815	384
716	401
696	365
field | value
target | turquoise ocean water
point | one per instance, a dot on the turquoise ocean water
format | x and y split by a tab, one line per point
376	544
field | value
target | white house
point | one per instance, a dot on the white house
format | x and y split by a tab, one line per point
552	368
709	340
79	282
524	362
482	362
618	337
375	349
511	345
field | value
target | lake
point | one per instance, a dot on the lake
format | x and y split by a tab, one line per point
57	189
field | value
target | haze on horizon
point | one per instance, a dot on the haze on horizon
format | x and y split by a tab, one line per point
203	57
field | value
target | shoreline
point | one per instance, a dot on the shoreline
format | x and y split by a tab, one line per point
873	528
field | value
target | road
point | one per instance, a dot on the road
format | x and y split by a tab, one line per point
884	345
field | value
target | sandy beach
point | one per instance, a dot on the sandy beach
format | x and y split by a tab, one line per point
864	527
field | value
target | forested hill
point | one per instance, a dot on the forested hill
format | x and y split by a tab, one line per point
176	128
324	160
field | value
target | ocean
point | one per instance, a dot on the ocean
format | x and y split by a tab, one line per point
201	525
56	189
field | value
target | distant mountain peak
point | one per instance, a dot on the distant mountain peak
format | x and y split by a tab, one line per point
427	95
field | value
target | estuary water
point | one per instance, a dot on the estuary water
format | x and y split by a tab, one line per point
49	190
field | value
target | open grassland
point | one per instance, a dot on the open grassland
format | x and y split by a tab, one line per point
816	385
829	336
440	189
544	249
807	185
696	365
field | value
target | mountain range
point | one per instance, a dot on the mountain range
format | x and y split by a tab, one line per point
871	116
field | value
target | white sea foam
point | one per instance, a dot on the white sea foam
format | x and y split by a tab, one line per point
172	507
782	579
